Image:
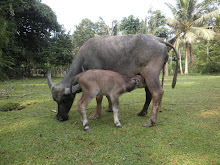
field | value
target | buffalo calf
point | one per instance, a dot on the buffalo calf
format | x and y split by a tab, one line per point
96	83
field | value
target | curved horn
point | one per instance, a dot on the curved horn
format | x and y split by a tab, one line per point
49	80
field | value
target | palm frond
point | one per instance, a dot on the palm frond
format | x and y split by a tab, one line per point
190	37
206	17
172	8
173	23
184	4
191	7
206	34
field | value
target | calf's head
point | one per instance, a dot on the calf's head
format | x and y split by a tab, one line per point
139	81
61	94
135	82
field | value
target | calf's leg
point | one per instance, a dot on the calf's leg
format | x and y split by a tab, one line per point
109	105
82	104
97	113
115	108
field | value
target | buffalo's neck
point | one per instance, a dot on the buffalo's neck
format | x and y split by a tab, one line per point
75	68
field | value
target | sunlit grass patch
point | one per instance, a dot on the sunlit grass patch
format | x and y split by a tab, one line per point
213	113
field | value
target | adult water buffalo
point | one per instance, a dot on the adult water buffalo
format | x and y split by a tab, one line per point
129	55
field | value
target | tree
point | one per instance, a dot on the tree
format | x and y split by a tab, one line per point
5	10
190	23
130	25
28	31
156	24
60	49
84	31
114	29
208	60
101	28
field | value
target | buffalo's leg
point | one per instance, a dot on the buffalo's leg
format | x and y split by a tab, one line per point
109	105
97	113
115	108
147	103
82	104
153	84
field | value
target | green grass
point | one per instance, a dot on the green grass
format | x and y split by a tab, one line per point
187	131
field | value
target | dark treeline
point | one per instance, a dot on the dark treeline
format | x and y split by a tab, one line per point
31	39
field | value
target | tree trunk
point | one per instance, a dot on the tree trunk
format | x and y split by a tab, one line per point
207	48
180	57
61	70
191	56
186	60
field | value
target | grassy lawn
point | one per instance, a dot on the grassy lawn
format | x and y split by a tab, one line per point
187	131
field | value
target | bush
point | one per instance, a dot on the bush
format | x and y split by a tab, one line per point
207	67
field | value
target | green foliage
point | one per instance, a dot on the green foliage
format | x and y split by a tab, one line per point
60	49
84	31
28	28
191	21
207	67
31	38
156	24
101	28
187	131
130	25
208	57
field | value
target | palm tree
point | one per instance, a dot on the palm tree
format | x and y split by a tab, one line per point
189	23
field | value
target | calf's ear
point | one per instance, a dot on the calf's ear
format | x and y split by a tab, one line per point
67	91
136	81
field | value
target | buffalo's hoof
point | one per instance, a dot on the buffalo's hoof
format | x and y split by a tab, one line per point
148	124
109	110
118	126
142	114
87	129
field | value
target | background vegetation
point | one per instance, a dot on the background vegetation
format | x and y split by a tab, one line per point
187	131
31	38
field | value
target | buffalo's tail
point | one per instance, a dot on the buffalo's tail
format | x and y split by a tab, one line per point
176	70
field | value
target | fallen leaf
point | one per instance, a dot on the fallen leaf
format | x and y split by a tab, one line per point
76	122
91	142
